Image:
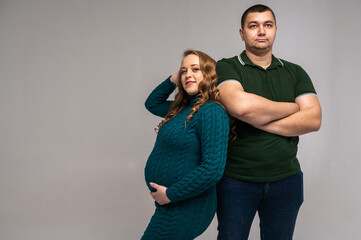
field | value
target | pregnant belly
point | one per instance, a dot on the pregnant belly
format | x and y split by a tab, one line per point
167	171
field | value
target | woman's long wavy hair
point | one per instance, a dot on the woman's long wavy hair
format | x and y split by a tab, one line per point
207	90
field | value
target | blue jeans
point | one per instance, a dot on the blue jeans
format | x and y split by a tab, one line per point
277	204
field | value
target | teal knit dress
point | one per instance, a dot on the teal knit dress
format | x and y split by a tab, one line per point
189	160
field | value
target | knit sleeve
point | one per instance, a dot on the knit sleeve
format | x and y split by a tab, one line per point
157	102
213	130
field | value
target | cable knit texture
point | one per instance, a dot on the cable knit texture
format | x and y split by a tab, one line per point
189	160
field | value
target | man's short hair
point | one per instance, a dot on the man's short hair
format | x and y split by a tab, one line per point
256	8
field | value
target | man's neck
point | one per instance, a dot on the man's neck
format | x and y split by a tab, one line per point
263	60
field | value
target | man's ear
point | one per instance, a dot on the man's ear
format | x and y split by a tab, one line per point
241	33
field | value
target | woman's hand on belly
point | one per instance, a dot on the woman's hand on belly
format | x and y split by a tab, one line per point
160	195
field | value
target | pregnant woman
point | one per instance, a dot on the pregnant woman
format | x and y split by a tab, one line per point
190	151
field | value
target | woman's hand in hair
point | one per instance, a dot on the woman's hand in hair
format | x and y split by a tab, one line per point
160	196
174	77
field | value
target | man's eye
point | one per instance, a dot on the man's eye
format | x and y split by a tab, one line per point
252	26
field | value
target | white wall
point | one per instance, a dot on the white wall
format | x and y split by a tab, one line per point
75	136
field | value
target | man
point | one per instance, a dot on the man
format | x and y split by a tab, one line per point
273	102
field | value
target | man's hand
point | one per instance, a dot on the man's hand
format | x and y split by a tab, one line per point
160	195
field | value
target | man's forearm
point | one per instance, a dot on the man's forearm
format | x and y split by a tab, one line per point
257	110
251	108
308	119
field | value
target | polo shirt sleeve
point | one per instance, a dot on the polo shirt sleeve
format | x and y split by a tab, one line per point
226	71
304	84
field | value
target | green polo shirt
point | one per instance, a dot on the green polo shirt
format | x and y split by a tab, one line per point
256	155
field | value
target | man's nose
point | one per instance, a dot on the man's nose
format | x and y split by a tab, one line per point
261	30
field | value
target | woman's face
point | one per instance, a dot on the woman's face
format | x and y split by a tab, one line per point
191	74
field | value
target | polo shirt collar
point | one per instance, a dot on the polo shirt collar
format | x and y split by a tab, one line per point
244	60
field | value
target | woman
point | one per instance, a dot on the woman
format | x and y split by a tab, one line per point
189	154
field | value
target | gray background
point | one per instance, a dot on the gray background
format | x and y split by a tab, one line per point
75	136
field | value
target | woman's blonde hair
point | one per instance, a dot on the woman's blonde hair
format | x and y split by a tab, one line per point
207	88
